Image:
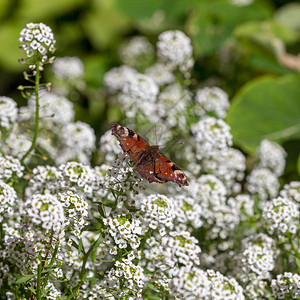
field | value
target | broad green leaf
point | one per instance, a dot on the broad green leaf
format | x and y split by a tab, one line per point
213	22
25	278
298	164
266	108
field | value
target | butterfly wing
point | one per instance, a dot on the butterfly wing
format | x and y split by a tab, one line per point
161	169
130	142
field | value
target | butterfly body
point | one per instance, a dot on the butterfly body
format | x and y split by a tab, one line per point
151	164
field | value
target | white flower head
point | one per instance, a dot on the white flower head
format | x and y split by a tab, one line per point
68	67
174	47
8	112
214	100
37	38
272	156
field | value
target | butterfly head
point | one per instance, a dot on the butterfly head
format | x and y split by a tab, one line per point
180	178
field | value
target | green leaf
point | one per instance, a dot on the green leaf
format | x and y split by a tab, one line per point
213	22
25	278
266	108
298	164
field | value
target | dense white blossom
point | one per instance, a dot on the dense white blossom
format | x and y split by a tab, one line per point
78	140
263	182
211	136
37	38
286	286
135	51
68	67
174	47
161	74
8	199
8	112
53	109
116	78
272	156
280	216
10	167
291	191
212	100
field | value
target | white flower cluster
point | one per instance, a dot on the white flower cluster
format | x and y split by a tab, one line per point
281	216
76	177
212	137
174	47
135	51
139	94
174	249
188	211
161	74
222	287
116	78
212	100
189	283
272	156
120	178
159	211
53	109
229	166
259	254
45	180
291	191
286	286
79	142
132	277
8	112
68	67
109	147
124	228
263	182
76	212
37	38
46	211
10	167
8	199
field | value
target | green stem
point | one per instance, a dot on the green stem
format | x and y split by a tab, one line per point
37	112
39	281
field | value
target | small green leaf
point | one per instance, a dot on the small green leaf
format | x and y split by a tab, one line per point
25	278
266	108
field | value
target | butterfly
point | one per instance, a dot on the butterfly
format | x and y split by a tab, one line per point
151	164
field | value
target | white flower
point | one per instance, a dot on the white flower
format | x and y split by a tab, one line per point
136	51
174	47
116	78
40	37
8	112
279	215
211	135
263	182
161	74
291	191
53	109
214	100
272	156
286	286
8	198
68	67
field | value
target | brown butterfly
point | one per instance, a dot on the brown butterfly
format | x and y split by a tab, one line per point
151	164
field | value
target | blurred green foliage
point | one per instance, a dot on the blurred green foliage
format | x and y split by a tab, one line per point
233	46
